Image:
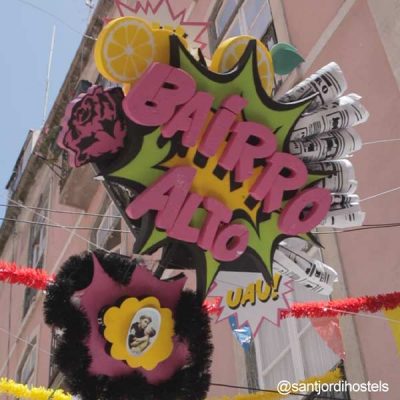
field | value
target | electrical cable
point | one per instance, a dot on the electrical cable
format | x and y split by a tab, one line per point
320	396
381	141
380	194
65	226
363	227
27	3
62	211
24	340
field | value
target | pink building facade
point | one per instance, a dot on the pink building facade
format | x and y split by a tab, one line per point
361	37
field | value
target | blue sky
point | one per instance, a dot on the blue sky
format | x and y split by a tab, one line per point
25	45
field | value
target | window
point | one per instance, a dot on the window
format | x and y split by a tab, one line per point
37	245
224	15
242	17
256	17
54	372
27	365
294	351
106	235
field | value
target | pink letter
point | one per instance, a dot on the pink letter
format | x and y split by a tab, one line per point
221	123
240	154
217	214
152	101
297	217
189	119
166	195
181	229
271	184
231	242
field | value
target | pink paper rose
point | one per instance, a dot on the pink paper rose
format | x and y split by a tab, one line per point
94	125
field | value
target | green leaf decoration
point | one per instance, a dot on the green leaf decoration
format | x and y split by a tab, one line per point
285	58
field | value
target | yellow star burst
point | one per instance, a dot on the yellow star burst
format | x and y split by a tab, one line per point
206	184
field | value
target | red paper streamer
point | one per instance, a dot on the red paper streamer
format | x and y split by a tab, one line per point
334	308
39	279
31	277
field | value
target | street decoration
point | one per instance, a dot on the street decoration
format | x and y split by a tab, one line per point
124	328
173	16
12	273
19	390
285	58
204	164
9	387
248	299
208	168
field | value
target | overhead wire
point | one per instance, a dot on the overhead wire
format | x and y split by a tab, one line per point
66	24
86	214
382	141
70	230
320	396
54	225
90	228
380	194
23	340
212	384
359	314
361	228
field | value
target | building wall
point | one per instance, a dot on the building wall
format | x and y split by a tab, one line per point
346	32
360	37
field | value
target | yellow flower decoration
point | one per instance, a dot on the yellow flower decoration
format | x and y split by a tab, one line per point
11	388
118	322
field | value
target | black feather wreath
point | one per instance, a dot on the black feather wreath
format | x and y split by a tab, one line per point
72	355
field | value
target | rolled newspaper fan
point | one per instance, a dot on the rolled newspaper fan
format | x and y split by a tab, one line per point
327	146
345	212
344	217
339	175
328	82
344	112
323	137
303	269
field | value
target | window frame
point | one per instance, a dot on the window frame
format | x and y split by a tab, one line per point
216	38
38	238
295	334
107	222
29	348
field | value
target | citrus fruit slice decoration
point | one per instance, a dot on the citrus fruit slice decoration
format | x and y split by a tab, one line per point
229	52
161	39
124	49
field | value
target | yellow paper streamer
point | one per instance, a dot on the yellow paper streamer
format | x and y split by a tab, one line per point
330	377
11	388
393	317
